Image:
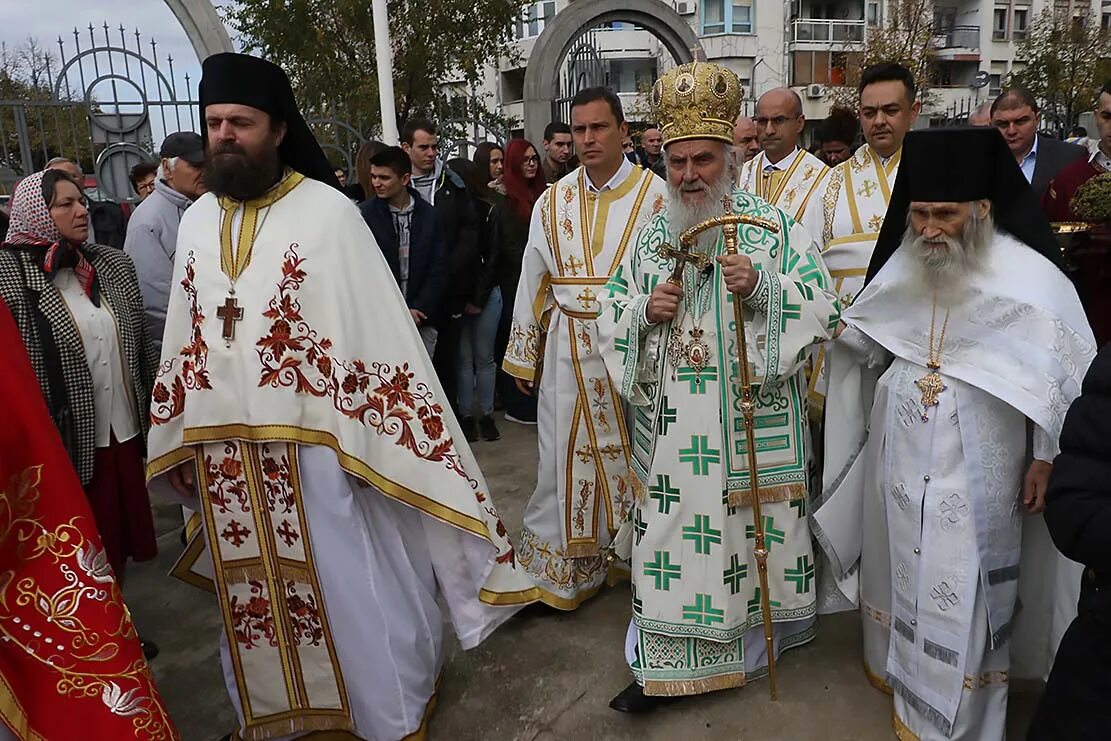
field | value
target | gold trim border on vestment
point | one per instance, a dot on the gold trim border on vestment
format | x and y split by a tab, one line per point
13	714
300	716
349	463
685	687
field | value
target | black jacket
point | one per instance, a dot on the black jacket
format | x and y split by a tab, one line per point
461	234
1078	502
513	238
488	216
1078	513
428	273
1053	156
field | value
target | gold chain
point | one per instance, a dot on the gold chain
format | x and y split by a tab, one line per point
933	357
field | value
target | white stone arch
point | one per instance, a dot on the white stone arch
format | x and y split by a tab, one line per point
203	26
559	34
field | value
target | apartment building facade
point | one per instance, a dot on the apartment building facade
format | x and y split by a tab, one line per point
808	45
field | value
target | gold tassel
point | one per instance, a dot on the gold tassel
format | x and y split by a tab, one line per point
583	550
786	493
333	723
679	688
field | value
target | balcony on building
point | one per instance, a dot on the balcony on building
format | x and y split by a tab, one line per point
956	43
825	33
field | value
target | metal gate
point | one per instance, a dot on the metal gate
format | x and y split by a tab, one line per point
582	68
110	101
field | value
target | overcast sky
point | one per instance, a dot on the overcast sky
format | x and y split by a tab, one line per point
46	19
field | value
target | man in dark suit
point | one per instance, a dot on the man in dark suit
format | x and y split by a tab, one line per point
1015	113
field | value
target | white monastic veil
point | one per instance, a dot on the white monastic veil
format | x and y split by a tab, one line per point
1027	342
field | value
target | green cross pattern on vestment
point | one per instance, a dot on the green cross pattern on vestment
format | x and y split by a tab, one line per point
800	505
648	283
703	611
697	379
771	535
811	273
668	415
736	573
801	575
640	527
754	603
702	534
790	311
622	345
665	494
700	455
730	509
617	283
663	571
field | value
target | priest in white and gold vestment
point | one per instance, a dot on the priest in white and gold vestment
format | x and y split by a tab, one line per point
958	363
345	519
846	211
783	174
581	227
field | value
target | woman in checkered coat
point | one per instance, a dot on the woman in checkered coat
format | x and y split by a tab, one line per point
80	314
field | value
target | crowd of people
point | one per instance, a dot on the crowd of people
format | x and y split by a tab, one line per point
769	383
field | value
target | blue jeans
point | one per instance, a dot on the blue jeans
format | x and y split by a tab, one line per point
477	371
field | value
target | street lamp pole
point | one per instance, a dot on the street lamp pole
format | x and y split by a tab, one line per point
383	52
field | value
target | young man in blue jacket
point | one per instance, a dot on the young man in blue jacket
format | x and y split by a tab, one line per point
407	229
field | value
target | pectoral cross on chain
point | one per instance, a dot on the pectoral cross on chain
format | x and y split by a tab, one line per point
930	385
231	313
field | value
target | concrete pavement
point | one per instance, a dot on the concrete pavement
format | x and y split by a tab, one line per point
541	676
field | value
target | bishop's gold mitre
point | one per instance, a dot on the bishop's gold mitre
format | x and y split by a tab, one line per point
699	100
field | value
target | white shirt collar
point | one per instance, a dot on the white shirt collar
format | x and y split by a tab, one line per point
1033	153
1101	160
783	164
618	177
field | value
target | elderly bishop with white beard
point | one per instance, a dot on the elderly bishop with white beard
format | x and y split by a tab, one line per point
670	341
948	388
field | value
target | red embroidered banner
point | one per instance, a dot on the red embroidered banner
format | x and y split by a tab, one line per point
66	637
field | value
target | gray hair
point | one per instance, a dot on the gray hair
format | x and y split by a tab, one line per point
167	167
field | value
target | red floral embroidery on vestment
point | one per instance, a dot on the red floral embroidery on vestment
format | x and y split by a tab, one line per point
304	616
382	396
252	620
227	487
170	402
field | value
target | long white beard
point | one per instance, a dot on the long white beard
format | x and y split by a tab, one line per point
947	271
682	216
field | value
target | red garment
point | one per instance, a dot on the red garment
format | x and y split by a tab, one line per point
1088	254
71	666
1062	188
521	193
118	496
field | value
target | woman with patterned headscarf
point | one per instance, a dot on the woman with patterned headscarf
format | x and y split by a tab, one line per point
80	315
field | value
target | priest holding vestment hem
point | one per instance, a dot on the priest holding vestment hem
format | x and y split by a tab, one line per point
345	519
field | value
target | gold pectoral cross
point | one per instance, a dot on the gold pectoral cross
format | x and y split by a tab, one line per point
930	385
